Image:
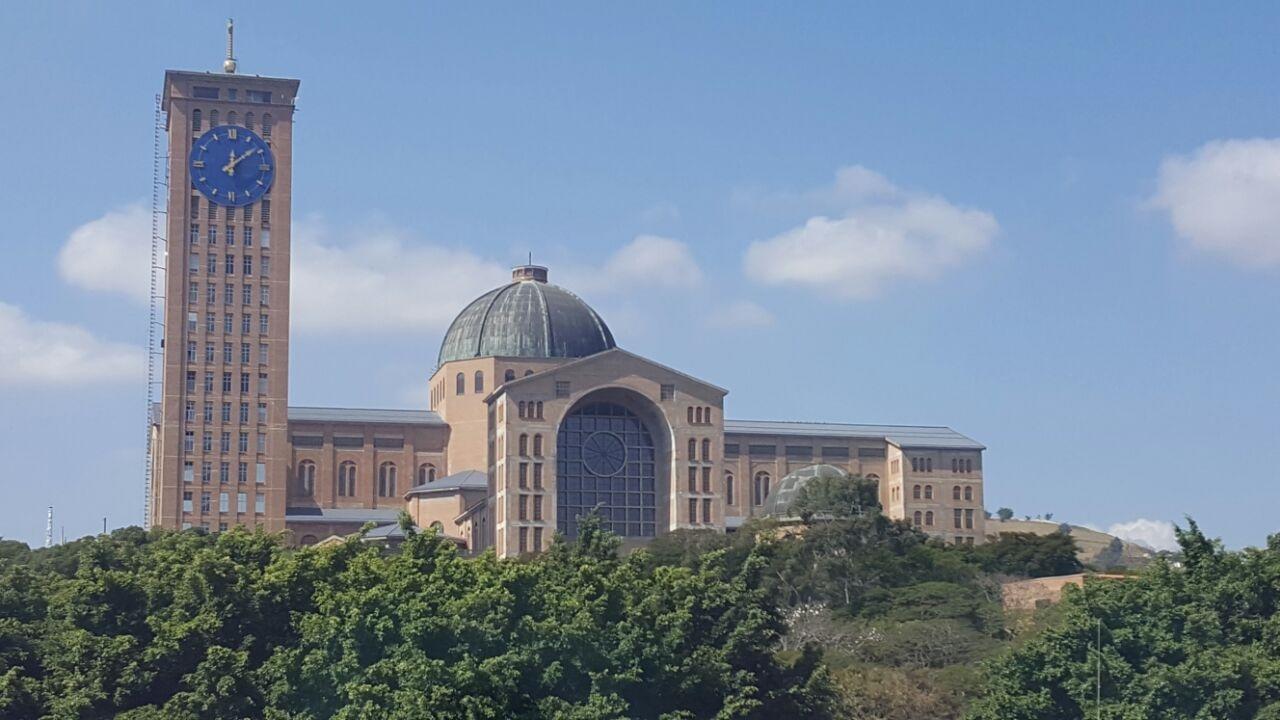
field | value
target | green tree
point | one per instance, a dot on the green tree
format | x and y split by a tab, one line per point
1004	513
836	497
1198	642
1029	554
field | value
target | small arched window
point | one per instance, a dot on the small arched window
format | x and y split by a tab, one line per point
928	518
266	125
248	120
968	493
307	478
728	489
387	479
537	445
917	518
955	493
761	488
347	479
706	449
520	409
508	376
693	449
213	119
706	416
524	445
232	118
195	120
479	382
928	465
460	384
426	473
690	413
928	492
968	466
697	415
539	413
915	465
915	492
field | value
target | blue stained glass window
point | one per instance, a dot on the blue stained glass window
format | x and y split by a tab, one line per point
605	462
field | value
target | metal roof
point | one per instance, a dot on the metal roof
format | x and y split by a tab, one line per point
364	415
907	436
526	318
323	515
465	480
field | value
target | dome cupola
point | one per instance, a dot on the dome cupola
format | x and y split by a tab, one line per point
528	317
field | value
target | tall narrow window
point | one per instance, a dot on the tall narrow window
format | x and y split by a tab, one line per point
387	480
728	489
508	376
968	493
213	119
693	449
915	492
248	120
760	488
521	409
524	445
479	382
347	479
538	407
928	519
307	478
195	120
706	449
266	125
928	492
460	384
706	510
232	118
955	493
537	445
917	519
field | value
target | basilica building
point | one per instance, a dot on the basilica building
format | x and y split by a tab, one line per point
536	416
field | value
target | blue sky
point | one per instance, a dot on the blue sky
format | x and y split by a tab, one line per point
1056	230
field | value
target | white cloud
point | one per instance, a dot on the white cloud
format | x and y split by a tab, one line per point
47	353
111	254
1224	199
1154	534
647	261
881	233
740	314
378	282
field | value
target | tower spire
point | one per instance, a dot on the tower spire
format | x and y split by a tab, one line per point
229	65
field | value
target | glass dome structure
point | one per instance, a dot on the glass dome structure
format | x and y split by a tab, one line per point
778	504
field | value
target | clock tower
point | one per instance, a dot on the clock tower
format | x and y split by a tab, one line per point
220	449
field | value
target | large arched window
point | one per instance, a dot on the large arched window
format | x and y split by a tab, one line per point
479	382
307	478
460	384
915	492
195	120
426	473
347	479
606	461
760	488
728	489
387	479
928	492
968	493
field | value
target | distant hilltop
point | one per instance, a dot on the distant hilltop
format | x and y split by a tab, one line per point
1096	548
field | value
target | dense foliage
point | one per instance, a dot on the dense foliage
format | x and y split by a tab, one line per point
186	625
1197	642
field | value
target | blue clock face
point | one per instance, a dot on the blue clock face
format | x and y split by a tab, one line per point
231	165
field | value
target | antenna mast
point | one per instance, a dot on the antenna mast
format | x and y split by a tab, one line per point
229	65
48	529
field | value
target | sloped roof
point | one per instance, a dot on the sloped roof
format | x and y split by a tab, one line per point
465	480
364	415
906	436
326	515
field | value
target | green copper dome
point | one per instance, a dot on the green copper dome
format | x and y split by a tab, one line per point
527	318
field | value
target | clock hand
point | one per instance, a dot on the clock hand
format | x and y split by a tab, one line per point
233	161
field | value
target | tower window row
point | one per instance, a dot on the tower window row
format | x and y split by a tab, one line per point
699	415
704	472
230	295
228	323
246	215
224	469
233	118
224	504
706	449
229	264
206	417
228	353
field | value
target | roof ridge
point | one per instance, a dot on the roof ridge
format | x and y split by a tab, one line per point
847	424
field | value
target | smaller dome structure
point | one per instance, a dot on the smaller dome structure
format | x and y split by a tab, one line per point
778	504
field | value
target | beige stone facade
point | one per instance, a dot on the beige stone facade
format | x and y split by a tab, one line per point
535	418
